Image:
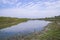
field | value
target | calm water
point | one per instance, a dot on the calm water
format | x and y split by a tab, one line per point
23	28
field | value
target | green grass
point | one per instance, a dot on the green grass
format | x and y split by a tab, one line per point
8	21
52	32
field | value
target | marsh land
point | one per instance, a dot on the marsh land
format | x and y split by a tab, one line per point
41	29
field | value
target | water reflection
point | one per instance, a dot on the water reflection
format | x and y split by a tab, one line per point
52	30
23	28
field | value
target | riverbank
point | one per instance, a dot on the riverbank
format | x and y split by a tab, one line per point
52	32
8	21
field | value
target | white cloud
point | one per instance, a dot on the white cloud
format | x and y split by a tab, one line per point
52	4
19	12
9	1
27	5
18	4
40	9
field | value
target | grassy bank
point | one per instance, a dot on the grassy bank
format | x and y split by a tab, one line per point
52	32
8	21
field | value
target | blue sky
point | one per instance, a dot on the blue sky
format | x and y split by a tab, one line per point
29	8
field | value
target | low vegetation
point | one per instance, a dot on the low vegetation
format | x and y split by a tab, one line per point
8	21
56	18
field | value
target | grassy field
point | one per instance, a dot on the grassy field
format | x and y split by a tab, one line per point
8	21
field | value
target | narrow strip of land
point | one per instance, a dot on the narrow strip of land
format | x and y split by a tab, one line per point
8	21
